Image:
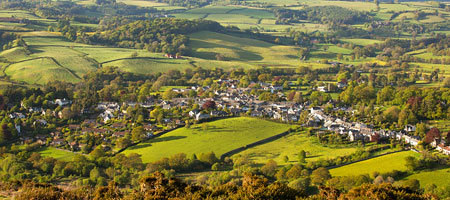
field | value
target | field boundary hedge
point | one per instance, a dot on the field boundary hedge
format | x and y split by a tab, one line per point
263	141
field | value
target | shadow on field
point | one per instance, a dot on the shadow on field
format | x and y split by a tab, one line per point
213	129
155	140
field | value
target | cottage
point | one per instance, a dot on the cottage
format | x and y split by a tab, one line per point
16	115
200	116
62	102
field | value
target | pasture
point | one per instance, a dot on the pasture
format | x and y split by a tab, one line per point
56	153
439	177
218	136
289	146
382	164
39	71
207	45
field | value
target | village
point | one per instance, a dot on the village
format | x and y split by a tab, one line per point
107	124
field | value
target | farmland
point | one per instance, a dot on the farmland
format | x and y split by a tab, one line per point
292	144
380	164
218	136
207	45
56	153
438	177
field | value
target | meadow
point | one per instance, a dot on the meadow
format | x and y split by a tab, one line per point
439	177
382	164
207	45
290	145
56	153
218	136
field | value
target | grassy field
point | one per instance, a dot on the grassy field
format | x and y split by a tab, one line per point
207	44
362	42
150	65
439	177
289	146
56	153
218	136
382	164
39	71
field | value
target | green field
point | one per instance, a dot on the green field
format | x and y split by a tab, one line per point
382	164
207	44
439	177
56	153
39	71
150	65
219	136
362	42
289	146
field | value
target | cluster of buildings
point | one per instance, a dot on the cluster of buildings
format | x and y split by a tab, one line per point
233	100
360	131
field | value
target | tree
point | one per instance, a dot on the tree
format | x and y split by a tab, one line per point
286	159
320	175
432	134
446	82
138	134
302	156
168	94
269	169
209	105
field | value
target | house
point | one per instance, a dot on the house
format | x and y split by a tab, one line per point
341	85
16	115
200	116
316	110
322	89
194	112
40	122
443	149
410	128
62	102
412	140
121	133
218	113
58	142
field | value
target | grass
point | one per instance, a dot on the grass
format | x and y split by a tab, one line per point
360	41
439	177
289	146
14	54
361	6
230	19
56	153
142	3
254	13
212	10
219	136
382	164
207	44
150	65
39	71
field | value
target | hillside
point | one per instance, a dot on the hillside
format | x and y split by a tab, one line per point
219	136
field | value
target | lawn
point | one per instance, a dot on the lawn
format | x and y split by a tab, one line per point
56	153
290	145
219	136
439	177
382	164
